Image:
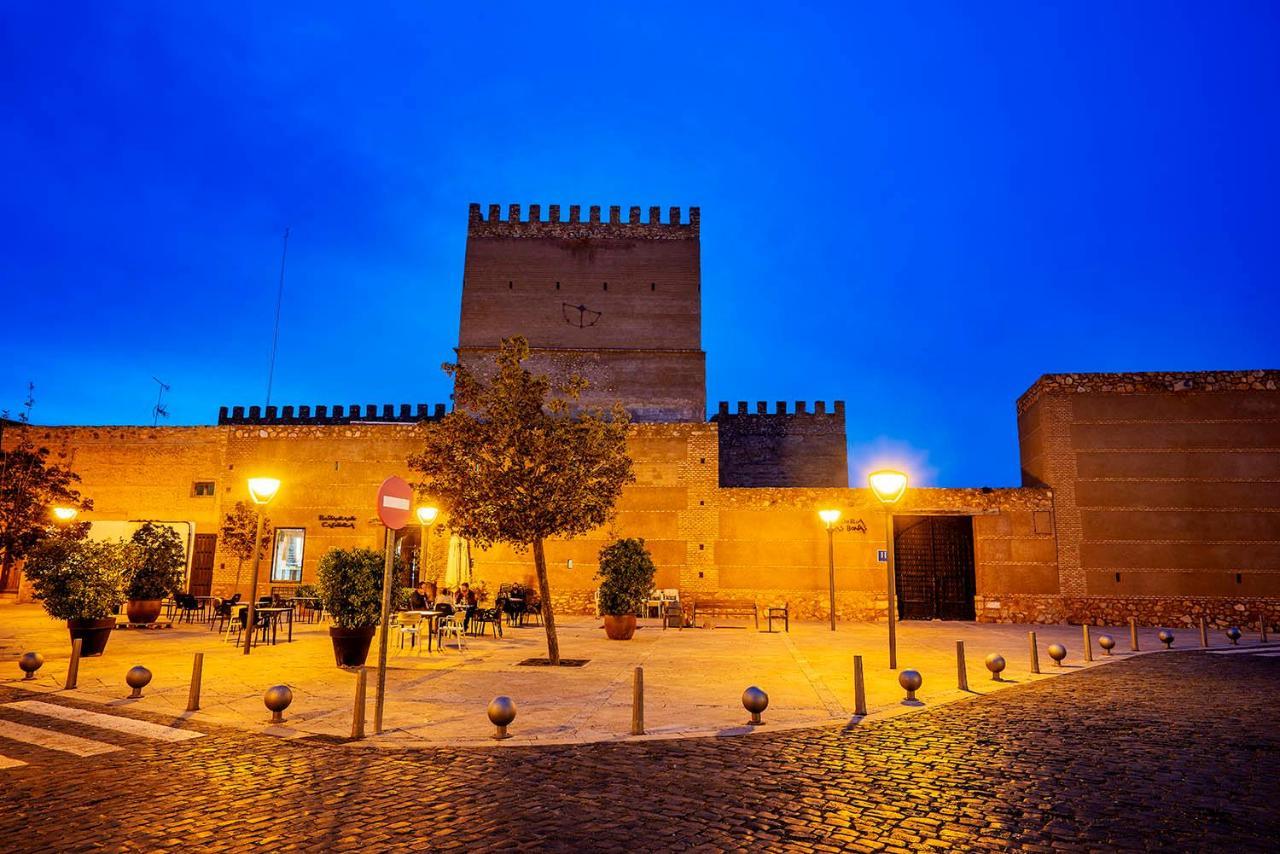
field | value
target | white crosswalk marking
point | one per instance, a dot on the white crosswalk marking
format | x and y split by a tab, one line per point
54	740
6	762
1269	655
1244	650
129	726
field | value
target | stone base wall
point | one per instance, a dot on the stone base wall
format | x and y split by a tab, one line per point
856	606
1173	611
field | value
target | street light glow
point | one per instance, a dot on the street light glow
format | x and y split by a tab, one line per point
426	515
263	489
65	514
829	516
888	485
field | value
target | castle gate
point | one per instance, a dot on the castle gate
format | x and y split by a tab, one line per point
933	561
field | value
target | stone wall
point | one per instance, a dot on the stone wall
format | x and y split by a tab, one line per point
800	448
1171	611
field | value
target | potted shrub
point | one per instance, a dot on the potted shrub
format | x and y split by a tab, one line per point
626	577
350	586
159	571
82	582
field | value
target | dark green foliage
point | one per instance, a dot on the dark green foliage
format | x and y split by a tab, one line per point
78	579
161	564
626	576
350	586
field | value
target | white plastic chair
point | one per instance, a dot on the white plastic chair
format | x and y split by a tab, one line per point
450	625
410	625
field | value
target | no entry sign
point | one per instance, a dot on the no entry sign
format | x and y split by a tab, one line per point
395	498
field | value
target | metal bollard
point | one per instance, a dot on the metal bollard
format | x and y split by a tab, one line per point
1035	653
73	669
277	699
911	680
1133	634
962	674
755	701
1166	638
501	711
1057	652
1107	642
637	703
1088	644
1233	635
137	678
1263	630
357	715
29	663
995	663
197	673
859	688
1204	632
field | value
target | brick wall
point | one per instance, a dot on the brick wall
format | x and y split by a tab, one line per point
760	447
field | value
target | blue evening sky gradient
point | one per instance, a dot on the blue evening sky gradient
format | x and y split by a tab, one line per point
918	208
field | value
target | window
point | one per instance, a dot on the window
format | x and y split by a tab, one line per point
286	562
202	487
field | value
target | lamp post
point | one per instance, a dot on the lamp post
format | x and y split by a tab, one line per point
426	516
889	487
65	514
261	490
830	517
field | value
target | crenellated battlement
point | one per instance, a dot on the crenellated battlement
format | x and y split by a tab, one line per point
389	413
744	408
574	227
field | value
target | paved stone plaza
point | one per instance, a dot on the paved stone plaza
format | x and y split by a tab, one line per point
1172	751
694	678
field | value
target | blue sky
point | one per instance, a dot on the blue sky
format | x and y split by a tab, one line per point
915	208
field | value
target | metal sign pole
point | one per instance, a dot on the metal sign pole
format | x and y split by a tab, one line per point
386	628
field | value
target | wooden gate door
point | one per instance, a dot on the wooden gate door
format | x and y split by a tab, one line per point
933	562
202	565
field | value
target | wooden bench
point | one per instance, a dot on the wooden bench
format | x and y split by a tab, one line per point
725	608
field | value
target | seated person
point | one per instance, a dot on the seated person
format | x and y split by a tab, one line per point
465	599
418	599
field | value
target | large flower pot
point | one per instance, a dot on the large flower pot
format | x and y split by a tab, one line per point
620	628
142	610
93	634
351	646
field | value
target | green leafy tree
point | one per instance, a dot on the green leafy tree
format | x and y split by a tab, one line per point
513	464
31	485
239	527
626	576
350	586
161	563
77	579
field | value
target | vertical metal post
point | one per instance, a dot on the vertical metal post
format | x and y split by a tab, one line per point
251	621
422	555
1035	653
1263	629
891	587
831	572
357	715
387	571
1204	632
962	673
73	669
197	672
859	688
1088	644
637	703
1133	634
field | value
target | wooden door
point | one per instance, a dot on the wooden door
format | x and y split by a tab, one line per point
933	563
202	564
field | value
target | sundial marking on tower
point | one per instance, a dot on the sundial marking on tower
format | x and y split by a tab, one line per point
586	317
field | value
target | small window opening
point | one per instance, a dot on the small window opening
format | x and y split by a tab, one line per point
510	286
653	286
606	286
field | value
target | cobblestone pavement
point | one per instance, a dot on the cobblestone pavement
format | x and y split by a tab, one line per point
1175	751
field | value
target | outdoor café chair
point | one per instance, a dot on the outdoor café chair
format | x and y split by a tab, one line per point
449	626
487	616
410	625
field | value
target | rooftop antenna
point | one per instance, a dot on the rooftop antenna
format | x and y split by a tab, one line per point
159	411
275	336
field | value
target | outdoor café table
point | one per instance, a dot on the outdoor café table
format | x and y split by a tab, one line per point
433	621
275	613
204	602
312	603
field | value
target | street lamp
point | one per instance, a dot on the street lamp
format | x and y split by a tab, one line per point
261	490
889	486
65	514
426	515
830	517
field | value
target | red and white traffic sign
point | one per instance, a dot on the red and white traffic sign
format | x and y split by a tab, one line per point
395	499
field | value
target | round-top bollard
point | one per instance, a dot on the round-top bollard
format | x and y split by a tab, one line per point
277	699
910	680
1057	652
1166	638
1233	634
755	701
502	711
995	663
137	678
1107	642
30	663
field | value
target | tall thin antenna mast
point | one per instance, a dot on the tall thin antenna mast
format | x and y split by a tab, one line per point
159	410
275	336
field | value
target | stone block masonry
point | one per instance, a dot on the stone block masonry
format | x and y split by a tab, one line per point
776	448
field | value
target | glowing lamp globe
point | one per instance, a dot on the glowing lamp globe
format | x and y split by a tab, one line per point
829	516
888	485
426	515
263	489
65	514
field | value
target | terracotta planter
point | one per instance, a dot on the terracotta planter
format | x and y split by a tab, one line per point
620	627
351	646
93	634
142	610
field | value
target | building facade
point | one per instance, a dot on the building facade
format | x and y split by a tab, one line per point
1151	496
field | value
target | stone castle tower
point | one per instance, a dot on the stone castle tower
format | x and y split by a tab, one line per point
617	302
